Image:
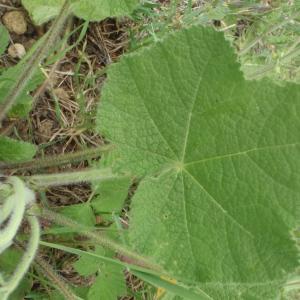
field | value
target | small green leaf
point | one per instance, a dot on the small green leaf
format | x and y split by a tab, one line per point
170	296
93	10
4	39
13	150
42	11
96	10
110	283
111	195
8	260
24	102
81	213
88	265
220	160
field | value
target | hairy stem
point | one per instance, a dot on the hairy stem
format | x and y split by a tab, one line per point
100	239
55	278
31	64
42	181
58	160
13	208
22	267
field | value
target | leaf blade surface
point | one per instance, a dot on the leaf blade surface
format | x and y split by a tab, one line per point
220	156
92	10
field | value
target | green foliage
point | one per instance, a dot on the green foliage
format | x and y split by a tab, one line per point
264	33
109	198
88	265
176	290
220	156
93	10
269	43
42	11
110	195
155	278
4	39
216	157
23	103
82	213
110	281
8	261
12	211
96	10
13	150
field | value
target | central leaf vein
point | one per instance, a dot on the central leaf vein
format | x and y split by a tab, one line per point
192	110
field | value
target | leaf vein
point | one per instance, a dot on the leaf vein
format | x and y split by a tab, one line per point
246	152
220	207
192	110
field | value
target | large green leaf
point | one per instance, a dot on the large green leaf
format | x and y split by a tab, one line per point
93	10
221	160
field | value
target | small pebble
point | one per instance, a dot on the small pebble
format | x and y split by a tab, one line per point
16	50
15	22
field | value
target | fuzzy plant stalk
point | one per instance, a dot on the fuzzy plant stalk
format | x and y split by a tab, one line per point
39	182
58	160
100	239
34	60
55	278
12	211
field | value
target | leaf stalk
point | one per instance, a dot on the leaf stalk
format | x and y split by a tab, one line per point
58	160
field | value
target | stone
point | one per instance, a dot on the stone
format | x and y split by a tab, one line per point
15	22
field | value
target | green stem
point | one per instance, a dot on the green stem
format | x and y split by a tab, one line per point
58	160
30	65
5	191
56	279
38	182
22	267
13	208
100	239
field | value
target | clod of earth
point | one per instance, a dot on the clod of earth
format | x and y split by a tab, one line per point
15	22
